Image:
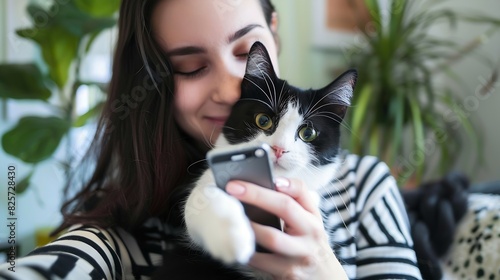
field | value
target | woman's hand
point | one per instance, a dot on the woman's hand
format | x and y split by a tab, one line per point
302	251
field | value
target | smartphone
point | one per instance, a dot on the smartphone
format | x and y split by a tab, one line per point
247	163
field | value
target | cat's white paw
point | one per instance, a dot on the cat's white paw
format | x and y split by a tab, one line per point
231	239
222	228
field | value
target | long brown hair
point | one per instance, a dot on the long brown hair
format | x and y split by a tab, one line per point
138	155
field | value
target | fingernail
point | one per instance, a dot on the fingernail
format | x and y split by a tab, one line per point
282	183
235	189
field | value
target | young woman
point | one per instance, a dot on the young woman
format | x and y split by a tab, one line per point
177	71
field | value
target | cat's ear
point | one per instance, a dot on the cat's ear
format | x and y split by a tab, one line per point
342	88
259	63
340	91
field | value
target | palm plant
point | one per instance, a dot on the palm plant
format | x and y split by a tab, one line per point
400	112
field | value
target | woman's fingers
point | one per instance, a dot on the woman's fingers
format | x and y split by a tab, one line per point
275	265
302	251
308	199
287	268
279	242
283	206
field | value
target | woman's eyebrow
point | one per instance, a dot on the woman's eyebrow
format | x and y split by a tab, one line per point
188	50
240	33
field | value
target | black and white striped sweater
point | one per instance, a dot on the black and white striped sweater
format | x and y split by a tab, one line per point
364	217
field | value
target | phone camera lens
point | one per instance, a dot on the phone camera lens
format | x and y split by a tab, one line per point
259	153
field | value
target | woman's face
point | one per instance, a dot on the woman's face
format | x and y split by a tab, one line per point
207	43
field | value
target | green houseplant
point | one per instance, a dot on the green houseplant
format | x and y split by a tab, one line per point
400	112
64	33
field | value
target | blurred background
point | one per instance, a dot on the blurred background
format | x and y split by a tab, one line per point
315	48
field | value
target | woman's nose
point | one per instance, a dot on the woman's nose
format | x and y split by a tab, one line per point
228	85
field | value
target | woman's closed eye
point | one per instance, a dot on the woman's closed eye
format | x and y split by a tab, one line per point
191	74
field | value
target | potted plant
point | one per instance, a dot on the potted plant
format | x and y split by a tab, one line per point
64	33
400	113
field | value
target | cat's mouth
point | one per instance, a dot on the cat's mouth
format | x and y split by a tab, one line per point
277	165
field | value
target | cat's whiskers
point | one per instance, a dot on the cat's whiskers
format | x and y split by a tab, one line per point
228	127
313	107
257	61
344	93
194	163
248	126
268	95
272	92
207	140
316	108
258	100
334	118
344	202
347	127
325	189
280	95
343	101
312	110
330	115
267	78
211	140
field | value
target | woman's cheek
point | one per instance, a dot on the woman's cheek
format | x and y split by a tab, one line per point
188	95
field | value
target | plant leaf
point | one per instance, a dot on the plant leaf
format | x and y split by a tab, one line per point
60	36
22	81
358	117
70	17
35	139
25	182
98	8
374	9
374	144
83	119
361	108
418	130
91	40
398	13
79	23
59	48
397	110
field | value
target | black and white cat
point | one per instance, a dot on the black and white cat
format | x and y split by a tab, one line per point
302	127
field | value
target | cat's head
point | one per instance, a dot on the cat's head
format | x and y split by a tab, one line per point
302	126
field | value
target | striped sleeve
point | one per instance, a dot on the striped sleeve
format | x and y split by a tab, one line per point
81	253
366	221
383	240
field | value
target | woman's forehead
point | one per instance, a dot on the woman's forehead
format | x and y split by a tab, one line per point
195	21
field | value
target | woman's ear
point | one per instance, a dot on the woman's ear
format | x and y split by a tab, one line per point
274	31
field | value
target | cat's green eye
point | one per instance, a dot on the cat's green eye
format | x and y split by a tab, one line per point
263	121
307	134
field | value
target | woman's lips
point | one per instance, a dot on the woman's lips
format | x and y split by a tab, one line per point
219	121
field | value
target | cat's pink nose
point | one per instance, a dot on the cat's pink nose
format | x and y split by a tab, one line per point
278	151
